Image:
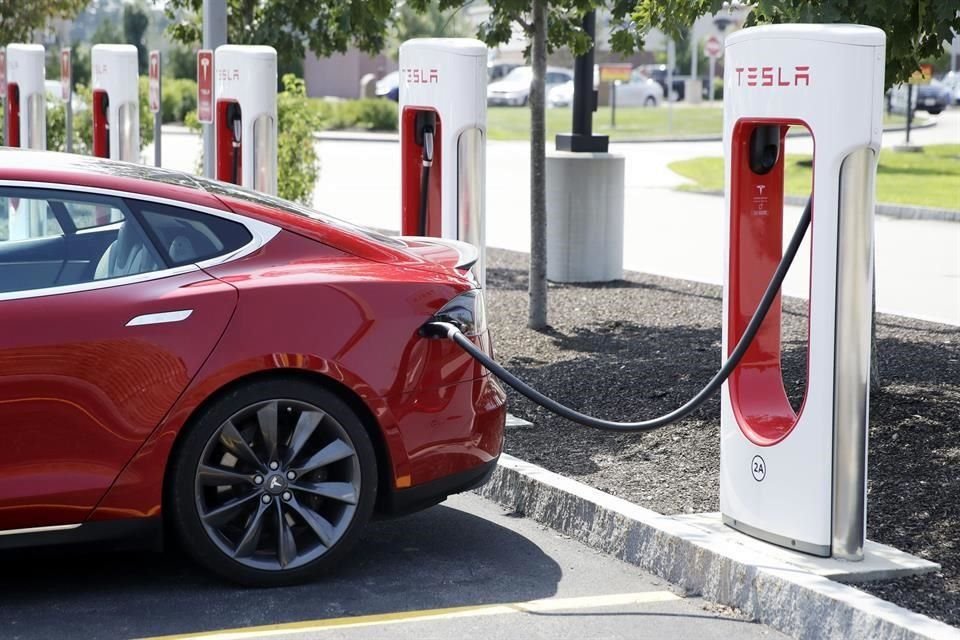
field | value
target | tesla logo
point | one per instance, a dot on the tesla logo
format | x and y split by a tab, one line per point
760	188
226	75
774	76
275	483
205	66
421	76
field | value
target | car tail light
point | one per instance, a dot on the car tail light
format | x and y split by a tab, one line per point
467	312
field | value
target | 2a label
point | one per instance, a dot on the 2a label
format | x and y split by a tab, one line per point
758	468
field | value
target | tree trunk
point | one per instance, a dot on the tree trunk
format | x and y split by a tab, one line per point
537	312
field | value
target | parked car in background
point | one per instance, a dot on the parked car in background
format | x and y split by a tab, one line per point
934	97
951	80
658	72
897	99
514	89
498	70
389	86
640	91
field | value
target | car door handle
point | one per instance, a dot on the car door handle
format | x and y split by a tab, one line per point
160	318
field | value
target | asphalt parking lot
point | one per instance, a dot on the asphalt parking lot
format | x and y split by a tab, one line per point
462	568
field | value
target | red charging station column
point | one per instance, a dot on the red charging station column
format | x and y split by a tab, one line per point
12	133
229	123
417	159
101	124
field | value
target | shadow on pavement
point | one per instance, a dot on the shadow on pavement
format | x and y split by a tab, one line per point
439	558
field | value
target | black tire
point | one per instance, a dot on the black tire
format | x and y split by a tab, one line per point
650	101
189	490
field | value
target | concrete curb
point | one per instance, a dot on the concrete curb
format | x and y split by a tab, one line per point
889	210
797	603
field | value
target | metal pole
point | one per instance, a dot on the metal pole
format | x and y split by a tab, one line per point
214	35
157	124
954	53
694	56
583	83
671	60
909	109
713	73
68	146
613	104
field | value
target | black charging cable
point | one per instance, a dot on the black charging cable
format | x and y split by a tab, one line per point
451	331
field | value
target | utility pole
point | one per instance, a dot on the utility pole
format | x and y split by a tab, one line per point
214	35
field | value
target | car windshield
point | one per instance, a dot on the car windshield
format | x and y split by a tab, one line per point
520	74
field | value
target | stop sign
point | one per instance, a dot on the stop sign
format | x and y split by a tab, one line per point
712	47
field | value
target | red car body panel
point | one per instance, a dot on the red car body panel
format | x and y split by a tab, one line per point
348	315
91	409
80	391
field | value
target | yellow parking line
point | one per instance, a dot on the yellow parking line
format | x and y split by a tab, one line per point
380	619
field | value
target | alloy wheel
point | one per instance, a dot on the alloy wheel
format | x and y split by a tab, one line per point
277	484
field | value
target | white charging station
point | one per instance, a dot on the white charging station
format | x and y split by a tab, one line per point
116	102
798	479
26	117
443	130
246	116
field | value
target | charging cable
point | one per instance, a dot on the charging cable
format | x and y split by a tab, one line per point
425	177
452	332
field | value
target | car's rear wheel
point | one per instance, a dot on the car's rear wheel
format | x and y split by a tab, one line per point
650	102
273	483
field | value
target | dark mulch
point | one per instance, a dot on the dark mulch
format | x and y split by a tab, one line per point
642	346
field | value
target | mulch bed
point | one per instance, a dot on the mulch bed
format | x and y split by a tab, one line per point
640	347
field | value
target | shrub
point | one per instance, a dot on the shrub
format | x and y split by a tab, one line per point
179	98
298	119
376	114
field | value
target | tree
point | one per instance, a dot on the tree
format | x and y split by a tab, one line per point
431	22
135	24
19	19
291	26
915	30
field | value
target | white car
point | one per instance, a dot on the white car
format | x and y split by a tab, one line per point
641	91
952	82
514	89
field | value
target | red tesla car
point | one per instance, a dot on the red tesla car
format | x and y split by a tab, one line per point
182	352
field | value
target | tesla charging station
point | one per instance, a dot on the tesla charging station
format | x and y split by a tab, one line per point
116	102
443	129
246	116
26	117
799	479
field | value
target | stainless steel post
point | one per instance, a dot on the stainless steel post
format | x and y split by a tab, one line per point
214	35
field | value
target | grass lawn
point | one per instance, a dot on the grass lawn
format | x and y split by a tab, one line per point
930	178
513	123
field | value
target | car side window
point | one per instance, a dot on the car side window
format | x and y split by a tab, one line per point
186	236
54	239
23	218
86	215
